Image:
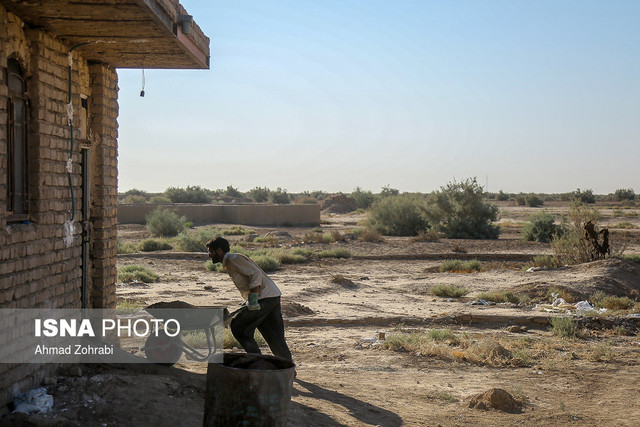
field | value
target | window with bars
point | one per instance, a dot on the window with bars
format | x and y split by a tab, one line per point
17	144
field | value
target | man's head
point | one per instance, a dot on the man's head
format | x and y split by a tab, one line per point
217	248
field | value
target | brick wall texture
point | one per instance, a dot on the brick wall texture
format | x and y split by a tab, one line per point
38	267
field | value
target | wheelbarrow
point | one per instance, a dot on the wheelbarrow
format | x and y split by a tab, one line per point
166	349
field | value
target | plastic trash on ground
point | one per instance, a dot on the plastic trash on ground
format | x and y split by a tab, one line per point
584	306
36	400
480	302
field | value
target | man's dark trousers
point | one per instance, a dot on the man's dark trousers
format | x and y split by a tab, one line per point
268	320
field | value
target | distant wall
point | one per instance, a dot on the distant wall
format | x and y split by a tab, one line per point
249	214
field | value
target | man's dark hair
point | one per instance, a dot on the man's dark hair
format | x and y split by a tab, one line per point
218	242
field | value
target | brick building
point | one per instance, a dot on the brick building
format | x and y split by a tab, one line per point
58	144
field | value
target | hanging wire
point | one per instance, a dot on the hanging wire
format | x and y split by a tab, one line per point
142	91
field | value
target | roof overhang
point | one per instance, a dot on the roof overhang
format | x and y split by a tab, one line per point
122	33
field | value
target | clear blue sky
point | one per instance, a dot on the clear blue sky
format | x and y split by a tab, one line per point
538	96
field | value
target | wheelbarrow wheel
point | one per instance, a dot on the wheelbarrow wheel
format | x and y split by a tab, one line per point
163	349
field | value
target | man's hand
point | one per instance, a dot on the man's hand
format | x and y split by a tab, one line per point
253	302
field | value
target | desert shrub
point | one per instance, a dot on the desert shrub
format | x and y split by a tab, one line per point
501	296
624	194
266	262
130	273
190	194
612	302
126	247
195	241
315	237
450	291
459	266
402	215
541	228
570	248
164	223
387	191
259	194
236	230
460	212
564	327
585	196
442	335
232	192
129	305
368	235
632	257
279	196
503	197
364	199
211	266
229	341
160	200
289	257
335	253
625	224
134	199
533	200
547	261
427	236
151	245
451	265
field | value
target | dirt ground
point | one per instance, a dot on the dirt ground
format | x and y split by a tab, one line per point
335	310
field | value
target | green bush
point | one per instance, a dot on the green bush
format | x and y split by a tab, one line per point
151	245
547	261
279	196
190	194
236	231
585	196
335	253
160	200
388	191
133	196
460	212
164	223
632	257
459	266
533	200
402	215
541	228
625	194
612	302
442	335
232	192
266	262
570	247
259	194
503	197
364	199
450	291
564	327
195	241
134	200
501	296
211	266
129	273
126	247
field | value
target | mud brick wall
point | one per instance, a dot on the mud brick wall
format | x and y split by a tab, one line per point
104	185
38	267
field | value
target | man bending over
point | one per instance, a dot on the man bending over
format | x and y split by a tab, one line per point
263	301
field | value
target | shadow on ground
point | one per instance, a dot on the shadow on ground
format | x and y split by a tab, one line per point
366	413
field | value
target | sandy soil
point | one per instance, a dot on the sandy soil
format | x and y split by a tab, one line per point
335	309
